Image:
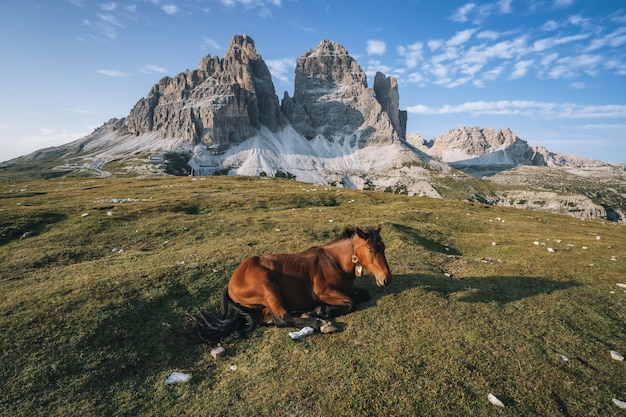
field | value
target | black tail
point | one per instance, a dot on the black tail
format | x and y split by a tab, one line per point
235	320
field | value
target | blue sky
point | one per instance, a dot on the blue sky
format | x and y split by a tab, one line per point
553	71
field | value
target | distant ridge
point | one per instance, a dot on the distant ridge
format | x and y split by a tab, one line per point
225	118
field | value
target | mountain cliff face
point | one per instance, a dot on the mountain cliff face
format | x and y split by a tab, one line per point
222	103
477	146
332	99
225	118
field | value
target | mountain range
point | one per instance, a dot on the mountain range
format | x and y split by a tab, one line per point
226	118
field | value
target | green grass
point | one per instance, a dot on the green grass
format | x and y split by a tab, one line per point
86	330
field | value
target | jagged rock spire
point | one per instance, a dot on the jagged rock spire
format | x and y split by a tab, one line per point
221	103
331	98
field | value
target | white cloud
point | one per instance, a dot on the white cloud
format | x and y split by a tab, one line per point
411	53
375	47
112	73
434	44
460	15
80	111
170	8
149	68
461	37
520	69
208	43
108	7
563	3
374	66
538	109
547	43
550	26
280	68
109	18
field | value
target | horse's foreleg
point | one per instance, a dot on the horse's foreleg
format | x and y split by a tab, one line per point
335	302
281	316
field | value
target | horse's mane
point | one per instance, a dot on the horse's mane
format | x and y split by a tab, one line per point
346	234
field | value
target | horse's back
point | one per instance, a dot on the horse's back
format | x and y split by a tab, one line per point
285	276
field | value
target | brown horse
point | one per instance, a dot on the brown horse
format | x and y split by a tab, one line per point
319	280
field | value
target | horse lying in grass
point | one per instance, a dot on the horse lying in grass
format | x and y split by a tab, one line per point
273	288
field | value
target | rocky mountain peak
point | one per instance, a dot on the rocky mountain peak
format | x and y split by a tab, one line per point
222	103
332	99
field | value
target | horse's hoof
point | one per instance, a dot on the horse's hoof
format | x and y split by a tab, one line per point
328	328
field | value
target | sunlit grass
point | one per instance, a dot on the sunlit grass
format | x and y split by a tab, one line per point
98	275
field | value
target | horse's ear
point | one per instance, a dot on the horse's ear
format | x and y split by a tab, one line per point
378	228
361	233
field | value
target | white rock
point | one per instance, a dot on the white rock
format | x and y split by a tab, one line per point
536	243
620	404
218	352
617	356
621	285
564	358
304	332
495	401
550	250
233	367
110	213
84	215
177	377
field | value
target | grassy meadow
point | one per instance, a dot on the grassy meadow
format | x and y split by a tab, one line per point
97	276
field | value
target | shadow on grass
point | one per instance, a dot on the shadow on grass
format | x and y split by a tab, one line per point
413	236
477	290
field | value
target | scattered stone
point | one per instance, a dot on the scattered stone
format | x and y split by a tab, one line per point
493	243
598	238
617	356
27	235
495	401
621	285
84	215
110	213
620	404
564	358
304	332
177	377
233	368
550	250
218	352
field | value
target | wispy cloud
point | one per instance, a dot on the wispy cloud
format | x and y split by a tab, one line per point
578	46
471	12
109	18
374	47
280	68
411	53
108	7
208	43
149	68
169	8
544	110
112	73
520	69
261	5
79	111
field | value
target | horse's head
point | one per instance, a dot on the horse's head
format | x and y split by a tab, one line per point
369	251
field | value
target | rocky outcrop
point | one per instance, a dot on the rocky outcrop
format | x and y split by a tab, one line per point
222	103
477	146
332	99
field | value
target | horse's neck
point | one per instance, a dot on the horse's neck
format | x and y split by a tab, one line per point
341	252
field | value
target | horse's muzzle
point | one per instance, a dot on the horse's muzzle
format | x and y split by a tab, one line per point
384	281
